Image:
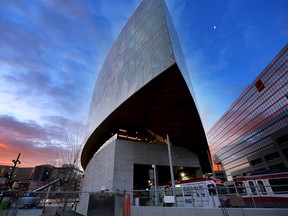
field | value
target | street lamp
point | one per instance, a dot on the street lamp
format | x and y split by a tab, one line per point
17	161
171	169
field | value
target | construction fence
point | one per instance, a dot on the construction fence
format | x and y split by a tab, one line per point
44	203
59	202
218	197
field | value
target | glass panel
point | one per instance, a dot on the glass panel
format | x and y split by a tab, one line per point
279	186
241	189
261	187
252	187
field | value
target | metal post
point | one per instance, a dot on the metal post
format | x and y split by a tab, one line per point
171	169
209	157
10	176
155	184
46	198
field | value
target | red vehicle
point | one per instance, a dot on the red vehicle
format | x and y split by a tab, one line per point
263	190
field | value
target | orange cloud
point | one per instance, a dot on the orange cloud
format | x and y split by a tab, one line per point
27	138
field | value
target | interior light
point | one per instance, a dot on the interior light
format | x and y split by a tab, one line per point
122	136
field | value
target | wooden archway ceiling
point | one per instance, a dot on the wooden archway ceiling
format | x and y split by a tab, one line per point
165	106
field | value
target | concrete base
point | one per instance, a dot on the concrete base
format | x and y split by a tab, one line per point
112	167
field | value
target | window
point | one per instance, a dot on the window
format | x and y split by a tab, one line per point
211	189
260	170
256	161
201	191
282	139
223	189
252	187
259	85
262	188
247	174
285	152
278	166
241	189
272	156
279	185
231	190
187	191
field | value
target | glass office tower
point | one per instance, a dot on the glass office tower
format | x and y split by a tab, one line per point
253	134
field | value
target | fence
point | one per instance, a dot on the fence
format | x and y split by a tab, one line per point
57	202
218	197
44	203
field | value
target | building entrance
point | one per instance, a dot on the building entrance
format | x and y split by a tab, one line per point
143	177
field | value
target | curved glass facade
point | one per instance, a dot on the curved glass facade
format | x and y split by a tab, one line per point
141	52
144	85
247	126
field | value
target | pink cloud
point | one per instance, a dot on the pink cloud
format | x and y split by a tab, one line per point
27	138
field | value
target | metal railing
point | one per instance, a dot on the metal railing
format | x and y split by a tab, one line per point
218	197
45	203
55	202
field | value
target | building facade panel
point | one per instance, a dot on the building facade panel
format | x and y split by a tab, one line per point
261	110
141	52
177	50
144	85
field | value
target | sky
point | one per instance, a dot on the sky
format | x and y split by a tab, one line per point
52	50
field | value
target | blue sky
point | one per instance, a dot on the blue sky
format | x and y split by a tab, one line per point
52	50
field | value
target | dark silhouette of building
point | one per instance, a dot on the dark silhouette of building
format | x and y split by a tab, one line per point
42	172
31	178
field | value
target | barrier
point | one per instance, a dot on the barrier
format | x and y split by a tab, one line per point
221	198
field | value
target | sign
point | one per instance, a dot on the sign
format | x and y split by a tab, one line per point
169	199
